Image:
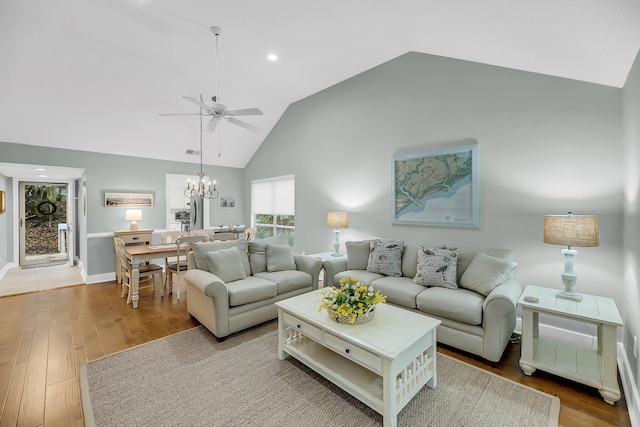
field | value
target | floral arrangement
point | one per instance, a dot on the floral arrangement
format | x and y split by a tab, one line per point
352	303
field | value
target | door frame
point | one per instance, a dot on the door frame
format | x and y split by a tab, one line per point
71	215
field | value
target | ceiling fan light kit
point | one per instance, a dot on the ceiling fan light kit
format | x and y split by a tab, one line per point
217	110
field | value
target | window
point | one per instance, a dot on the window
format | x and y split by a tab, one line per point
273	207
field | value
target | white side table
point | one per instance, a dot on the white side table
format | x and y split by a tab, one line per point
595	368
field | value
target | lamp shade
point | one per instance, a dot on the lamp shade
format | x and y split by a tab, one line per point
337	219
571	230
133	214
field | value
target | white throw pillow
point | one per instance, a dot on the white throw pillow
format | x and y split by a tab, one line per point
437	267
280	257
226	264
485	273
385	257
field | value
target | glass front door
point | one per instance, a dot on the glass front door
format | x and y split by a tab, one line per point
43	223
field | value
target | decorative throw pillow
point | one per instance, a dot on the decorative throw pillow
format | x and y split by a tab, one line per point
226	264
437	267
357	254
385	257
201	249
258	252
280	257
486	272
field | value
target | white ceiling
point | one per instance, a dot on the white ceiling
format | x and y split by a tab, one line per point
94	74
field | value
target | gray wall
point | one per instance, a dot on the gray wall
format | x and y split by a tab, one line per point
112	173
547	146
631	282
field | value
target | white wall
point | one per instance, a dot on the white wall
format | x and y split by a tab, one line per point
631	315
547	146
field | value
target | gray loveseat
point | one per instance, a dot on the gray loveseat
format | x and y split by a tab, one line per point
478	315
232	285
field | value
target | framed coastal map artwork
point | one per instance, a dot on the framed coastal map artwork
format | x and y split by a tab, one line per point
437	185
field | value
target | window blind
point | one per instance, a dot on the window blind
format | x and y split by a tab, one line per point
274	196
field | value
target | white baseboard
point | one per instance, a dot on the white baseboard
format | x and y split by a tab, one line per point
99	278
6	268
631	394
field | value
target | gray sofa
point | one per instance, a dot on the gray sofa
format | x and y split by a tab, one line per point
232	285
478	316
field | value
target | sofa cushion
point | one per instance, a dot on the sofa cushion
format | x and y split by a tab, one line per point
456	304
201	249
357	254
363	276
280	257
250	290
399	290
467	254
385	257
437	267
226	264
258	252
288	280
486	272
410	258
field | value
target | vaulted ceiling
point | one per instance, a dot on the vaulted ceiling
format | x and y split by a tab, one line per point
94	74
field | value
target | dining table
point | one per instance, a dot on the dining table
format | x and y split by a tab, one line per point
139	254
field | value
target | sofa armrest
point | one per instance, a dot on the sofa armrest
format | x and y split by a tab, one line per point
499	318
208	283
310	265
332	267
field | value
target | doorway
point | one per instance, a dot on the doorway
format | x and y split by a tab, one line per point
44	224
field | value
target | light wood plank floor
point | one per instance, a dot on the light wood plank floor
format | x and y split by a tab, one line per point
46	335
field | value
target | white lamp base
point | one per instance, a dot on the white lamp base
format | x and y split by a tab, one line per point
569	278
336	243
133	226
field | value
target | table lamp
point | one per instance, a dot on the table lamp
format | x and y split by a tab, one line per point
571	230
337	220
133	215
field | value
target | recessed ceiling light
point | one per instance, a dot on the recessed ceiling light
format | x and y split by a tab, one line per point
43	176
272	57
40	169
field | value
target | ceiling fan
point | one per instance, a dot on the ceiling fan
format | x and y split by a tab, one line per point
216	110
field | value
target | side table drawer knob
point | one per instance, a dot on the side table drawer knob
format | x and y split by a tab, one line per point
347	351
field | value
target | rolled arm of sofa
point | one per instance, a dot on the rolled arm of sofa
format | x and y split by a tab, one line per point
499	318
310	265
332	267
210	301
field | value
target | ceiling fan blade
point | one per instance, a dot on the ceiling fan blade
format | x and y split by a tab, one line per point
245	112
242	124
179	114
197	102
213	123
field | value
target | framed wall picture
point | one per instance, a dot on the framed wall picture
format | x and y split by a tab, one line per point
227	202
3	202
437	185
126	200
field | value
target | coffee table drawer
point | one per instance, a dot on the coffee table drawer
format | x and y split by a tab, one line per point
302	326
353	352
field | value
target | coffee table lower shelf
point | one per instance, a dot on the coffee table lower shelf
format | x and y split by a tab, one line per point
360	382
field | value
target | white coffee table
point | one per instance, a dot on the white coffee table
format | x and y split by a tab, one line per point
383	363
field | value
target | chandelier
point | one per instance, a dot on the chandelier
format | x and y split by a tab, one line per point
199	189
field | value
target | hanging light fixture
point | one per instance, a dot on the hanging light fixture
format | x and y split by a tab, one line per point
199	189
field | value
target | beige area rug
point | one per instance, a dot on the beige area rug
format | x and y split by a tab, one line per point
188	379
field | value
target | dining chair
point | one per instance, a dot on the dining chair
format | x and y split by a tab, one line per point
250	233
184	245
223	236
170	237
146	271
